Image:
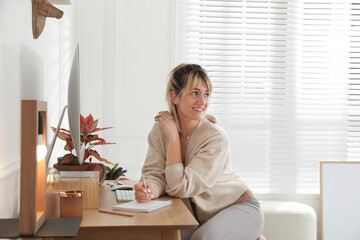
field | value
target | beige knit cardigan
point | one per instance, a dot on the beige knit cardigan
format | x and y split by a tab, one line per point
206	177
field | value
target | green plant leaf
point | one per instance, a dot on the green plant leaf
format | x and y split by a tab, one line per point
115	167
119	172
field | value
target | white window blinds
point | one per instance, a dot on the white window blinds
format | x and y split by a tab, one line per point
286	83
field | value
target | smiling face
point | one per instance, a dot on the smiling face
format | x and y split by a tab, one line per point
187	94
192	105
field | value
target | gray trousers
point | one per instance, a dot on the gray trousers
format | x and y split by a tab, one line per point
242	221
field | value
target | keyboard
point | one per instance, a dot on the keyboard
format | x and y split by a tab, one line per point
125	195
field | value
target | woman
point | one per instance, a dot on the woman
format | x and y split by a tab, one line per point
189	156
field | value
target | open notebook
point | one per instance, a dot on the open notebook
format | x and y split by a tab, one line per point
142	207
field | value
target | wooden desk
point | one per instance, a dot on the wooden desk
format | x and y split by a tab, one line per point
164	223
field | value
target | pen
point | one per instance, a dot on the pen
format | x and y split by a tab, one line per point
145	187
116	213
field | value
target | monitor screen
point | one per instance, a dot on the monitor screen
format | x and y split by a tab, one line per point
74	105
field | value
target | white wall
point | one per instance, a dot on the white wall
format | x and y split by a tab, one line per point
29	69
126	56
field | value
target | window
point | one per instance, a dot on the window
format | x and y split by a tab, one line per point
286	83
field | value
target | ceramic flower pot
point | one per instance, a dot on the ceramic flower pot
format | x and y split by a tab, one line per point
68	167
98	167
73	162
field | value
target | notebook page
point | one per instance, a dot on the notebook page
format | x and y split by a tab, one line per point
142	207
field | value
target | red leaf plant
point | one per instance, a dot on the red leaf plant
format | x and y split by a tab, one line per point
87	127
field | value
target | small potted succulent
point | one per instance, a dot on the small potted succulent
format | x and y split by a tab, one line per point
88	127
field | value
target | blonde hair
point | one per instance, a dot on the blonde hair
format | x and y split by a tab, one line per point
183	79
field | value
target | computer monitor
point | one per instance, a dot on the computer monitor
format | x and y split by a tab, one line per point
73	111
74	104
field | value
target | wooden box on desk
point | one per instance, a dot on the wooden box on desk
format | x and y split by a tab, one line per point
90	186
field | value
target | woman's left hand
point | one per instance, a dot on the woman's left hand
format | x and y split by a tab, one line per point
168	124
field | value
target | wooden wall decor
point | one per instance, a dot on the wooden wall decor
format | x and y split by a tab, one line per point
41	9
32	172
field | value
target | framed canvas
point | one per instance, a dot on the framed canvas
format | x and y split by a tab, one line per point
340	200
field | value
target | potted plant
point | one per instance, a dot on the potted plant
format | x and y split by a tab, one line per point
88	127
115	172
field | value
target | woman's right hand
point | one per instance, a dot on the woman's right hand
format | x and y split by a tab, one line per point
168	124
140	192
